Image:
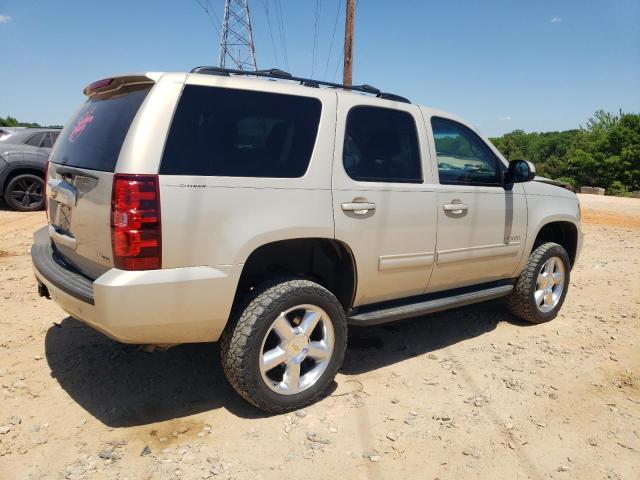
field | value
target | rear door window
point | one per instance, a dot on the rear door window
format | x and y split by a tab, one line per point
36	140
381	145
47	143
241	133
95	136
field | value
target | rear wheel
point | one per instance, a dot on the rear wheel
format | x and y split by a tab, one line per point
540	290
286	346
25	193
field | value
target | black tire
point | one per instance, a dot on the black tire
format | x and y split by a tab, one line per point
25	193
521	301
242	342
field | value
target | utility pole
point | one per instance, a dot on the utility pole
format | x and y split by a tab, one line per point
236	39
348	42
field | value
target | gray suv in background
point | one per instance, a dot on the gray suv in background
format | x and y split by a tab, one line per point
23	160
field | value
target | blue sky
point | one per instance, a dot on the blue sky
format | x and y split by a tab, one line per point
536	65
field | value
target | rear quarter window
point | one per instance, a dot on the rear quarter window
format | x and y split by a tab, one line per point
93	139
36	140
241	133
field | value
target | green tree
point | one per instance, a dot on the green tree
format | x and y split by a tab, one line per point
605	152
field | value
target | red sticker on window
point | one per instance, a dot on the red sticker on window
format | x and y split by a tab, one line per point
81	124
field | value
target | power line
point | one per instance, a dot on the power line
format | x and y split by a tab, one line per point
209	15
316	33
283	38
333	36
213	11
273	43
340	58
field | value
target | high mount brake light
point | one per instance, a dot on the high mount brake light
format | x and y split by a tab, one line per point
105	82
136	233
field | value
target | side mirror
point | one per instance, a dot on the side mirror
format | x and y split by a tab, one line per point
520	171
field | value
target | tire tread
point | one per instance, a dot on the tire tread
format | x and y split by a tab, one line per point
519	301
235	344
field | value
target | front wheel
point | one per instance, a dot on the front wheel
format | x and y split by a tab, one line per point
541	288
25	193
286	346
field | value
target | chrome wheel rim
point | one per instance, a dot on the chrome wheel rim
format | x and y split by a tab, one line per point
549	285
297	349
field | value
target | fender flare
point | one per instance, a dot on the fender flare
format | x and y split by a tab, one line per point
19	165
528	246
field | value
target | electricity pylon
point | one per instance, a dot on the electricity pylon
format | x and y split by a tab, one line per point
236	39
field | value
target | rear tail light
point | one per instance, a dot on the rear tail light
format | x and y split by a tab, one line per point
136	234
44	189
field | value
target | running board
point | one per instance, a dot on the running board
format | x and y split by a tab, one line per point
417	308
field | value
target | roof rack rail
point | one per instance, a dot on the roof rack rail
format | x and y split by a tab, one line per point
309	82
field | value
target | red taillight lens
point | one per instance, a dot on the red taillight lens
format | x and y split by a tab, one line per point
136	234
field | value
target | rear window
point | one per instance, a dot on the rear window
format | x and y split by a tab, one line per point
36	140
93	139
241	133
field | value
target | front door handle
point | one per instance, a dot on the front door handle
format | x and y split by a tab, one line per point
359	208
455	208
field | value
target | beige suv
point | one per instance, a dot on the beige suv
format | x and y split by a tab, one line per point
269	212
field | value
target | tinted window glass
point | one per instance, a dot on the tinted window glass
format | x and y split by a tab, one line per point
381	145
93	139
463	158
36	140
240	133
47	143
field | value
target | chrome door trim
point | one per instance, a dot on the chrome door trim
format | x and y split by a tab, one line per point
406	260
481	252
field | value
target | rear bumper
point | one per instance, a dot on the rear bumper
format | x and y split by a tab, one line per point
178	305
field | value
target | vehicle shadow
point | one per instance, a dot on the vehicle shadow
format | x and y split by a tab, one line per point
376	347
121	385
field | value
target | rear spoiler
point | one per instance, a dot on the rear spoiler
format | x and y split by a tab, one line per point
108	85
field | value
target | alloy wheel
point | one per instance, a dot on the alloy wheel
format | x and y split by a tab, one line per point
549	284
297	349
27	192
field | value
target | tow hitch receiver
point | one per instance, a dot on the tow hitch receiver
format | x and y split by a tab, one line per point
43	291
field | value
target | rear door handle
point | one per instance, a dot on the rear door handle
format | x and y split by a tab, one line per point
359	208
455	208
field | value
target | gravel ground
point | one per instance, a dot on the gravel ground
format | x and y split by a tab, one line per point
471	393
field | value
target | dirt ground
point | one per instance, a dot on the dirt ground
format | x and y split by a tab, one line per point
471	393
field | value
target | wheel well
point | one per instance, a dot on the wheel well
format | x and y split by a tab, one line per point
21	171
562	233
326	261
